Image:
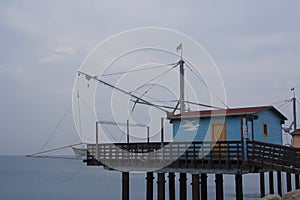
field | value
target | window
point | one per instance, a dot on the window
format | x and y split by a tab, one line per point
265	129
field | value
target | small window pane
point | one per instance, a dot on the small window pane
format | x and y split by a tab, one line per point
265	129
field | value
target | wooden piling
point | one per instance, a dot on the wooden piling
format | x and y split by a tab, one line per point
219	187
203	186
288	182
279	189
195	187
182	187
149	187
271	182
239	186
125	185
161	186
262	184
171	185
297	181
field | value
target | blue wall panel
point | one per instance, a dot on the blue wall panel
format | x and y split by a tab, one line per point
198	129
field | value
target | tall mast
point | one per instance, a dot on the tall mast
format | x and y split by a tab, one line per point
294	109
181	98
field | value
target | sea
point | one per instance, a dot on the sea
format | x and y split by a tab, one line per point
25	178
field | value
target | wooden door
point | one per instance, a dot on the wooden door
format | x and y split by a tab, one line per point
218	133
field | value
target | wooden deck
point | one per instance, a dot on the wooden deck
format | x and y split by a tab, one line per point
197	157
273	157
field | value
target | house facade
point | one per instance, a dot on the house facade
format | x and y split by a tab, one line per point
262	123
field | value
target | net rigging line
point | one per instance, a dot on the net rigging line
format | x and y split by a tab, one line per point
137	70
197	76
159	77
56	149
281	101
78	105
285	103
121	124
57	125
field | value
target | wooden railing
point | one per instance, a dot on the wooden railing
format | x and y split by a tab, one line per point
178	154
273	156
198	155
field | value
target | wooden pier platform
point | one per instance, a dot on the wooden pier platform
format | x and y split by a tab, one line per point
198	159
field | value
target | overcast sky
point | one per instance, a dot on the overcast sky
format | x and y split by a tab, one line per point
256	46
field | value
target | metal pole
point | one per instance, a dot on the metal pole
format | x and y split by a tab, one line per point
97	145
181	98
127	131
294	111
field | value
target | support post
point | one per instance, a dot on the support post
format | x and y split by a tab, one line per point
239	186
297	181
161	186
279	189
203	186
182	188
262	184
181	100
271	182
148	134
162	138
97	142
171	185
294	111
127	131
149	188
195	187
125	185
219	186
288	182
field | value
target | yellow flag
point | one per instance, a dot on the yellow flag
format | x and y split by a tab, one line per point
179	47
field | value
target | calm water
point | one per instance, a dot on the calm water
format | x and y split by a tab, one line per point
37	178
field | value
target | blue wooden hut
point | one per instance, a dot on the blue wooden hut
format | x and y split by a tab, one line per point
263	123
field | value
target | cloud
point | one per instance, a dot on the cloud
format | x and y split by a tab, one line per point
50	58
68	50
58	54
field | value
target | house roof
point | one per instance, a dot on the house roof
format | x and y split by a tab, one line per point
296	132
227	112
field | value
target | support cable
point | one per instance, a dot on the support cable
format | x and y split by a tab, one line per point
197	76
284	103
137	70
159	77
56	149
56	127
